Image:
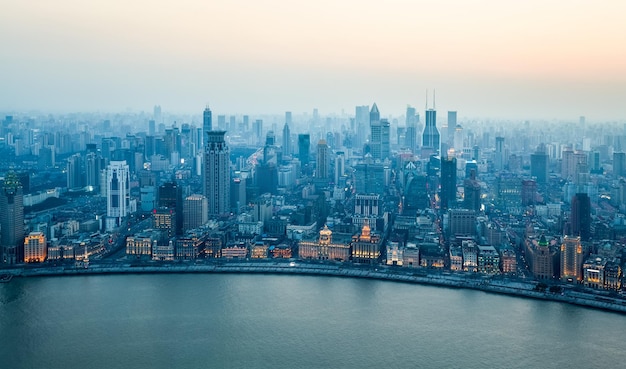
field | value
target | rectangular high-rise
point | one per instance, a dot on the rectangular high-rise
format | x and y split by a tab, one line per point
323	161
452	128
571	259
448	183
539	165
430	138
304	145
217	174
361	121
11	220
207	120
410	140
118	193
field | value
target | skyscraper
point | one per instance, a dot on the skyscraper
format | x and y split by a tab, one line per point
362	122
448	182
539	164
410	140
619	164
471	193
499	159
452	128
340	166
118	193
93	165
323	164
257	129
207	120
11	219
170	196
304	145
580	217
286	140
75	172
157	114
196	212
431	138
217	174
380	135
385	139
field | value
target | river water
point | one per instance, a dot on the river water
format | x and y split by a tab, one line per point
287	321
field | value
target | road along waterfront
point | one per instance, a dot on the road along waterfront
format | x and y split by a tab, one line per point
494	284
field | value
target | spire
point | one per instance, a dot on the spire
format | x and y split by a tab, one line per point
426	99
374	109
434	108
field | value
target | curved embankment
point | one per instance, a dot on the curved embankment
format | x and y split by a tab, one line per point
453	280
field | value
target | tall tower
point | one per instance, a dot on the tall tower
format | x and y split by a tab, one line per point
322	160
286	140
499	157
376	133
170	196
410	140
361	121
340	166
452	128
385	139
217	174
75	172
431	137
196	211
92	170
580	217
539	164
11	220
304	145
207	120
448	182
118	193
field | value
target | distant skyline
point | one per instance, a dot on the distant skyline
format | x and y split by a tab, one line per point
519	60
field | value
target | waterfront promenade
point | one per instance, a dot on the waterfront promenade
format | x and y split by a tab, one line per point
495	284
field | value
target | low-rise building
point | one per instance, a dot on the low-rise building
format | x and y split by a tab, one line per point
395	253
235	251
324	248
508	261
470	256
366	246
163	251
456	258
411	255
488	261
593	272
35	248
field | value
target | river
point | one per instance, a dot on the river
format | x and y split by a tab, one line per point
290	321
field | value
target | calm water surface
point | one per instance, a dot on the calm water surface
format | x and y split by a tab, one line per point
259	321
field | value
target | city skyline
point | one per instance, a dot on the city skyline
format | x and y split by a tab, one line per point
533	60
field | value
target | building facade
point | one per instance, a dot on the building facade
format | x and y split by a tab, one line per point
35	248
118	193
11	220
217	174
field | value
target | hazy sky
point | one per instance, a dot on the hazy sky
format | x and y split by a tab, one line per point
518	59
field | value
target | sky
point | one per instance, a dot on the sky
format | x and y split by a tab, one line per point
557	59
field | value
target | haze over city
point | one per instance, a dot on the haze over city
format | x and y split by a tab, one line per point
519	60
